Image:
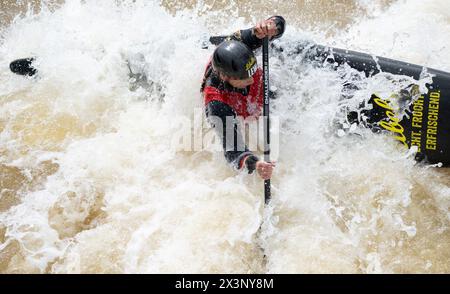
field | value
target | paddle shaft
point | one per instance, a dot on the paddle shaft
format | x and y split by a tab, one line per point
266	113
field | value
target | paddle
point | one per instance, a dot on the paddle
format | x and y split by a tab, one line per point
266	112
23	66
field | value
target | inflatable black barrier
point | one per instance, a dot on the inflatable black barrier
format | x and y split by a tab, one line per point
426	124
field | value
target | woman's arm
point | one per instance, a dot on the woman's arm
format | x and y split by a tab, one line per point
272	27
223	119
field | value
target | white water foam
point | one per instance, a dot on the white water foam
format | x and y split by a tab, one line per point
103	190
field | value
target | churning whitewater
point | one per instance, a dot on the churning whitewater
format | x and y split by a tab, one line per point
94	178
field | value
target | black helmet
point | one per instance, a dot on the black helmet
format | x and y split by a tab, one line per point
234	59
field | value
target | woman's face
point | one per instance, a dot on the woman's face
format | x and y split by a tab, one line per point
239	83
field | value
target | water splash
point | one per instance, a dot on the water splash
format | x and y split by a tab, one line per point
90	183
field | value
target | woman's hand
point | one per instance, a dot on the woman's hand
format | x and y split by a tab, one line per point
265	28
265	169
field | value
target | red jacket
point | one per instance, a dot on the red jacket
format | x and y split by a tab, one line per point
246	102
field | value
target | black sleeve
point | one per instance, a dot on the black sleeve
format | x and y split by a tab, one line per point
249	38
223	119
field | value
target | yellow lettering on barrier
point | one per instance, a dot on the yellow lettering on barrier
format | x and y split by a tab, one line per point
435	95
432	123
393	125
417	113
382	103
416	139
417	122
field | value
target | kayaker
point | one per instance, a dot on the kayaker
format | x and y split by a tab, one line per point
232	86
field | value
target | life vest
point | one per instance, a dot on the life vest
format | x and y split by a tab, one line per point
245	102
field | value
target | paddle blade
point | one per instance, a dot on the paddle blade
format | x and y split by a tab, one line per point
23	67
